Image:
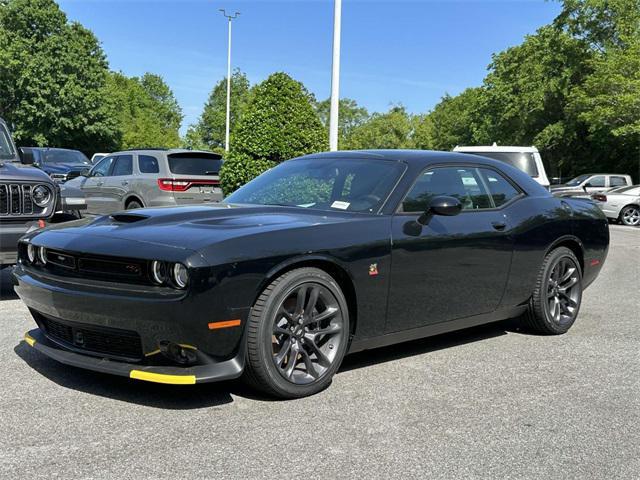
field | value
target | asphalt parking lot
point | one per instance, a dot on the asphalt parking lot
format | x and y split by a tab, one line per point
490	402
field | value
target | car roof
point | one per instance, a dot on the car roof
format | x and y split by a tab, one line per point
167	151
52	148
412	157
495	148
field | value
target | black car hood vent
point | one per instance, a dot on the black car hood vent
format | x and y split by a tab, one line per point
128	217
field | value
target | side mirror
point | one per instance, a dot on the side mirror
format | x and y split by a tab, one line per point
586	185
26	156
445	206
85	172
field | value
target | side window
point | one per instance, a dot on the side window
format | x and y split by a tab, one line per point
123	166
102	167
463	183
500	189
595	182
617	181
148	164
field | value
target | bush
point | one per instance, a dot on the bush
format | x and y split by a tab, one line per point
239	169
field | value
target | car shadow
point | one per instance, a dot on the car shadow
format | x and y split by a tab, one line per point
212	395
6	285
429	344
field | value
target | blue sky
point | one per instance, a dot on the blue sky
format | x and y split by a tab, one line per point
409	52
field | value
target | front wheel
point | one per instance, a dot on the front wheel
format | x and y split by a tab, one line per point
630	215
557	296
297	335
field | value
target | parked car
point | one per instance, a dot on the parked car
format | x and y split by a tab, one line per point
319	256
526	159
61	164
151	178
28	197
96	157
585	185
621	204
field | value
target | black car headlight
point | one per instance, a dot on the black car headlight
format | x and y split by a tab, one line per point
42	255
31	253
180	275
158	272
42	196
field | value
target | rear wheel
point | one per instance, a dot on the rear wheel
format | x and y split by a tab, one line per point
133	204
630	215
556	299
297	334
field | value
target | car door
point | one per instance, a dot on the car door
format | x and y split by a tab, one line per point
92	185
116	184
457	266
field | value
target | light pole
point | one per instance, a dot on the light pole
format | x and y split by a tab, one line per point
335	77
226	133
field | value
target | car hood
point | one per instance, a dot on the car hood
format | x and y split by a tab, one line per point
64	167
19	172
195	227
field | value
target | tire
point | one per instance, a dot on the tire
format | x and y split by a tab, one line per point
274	331
133	204
550	294
630	216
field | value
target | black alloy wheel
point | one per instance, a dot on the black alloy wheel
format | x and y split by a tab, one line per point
297	334
555	302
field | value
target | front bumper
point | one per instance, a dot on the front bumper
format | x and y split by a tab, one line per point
158	374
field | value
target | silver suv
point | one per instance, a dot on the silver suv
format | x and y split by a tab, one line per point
150	178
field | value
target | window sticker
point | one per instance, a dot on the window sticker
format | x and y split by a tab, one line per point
340	205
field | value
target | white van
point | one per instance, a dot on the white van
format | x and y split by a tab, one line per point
526	159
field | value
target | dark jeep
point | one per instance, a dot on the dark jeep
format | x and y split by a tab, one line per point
29	198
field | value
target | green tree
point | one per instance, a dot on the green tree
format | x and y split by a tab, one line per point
146	110
52	79
456	120
209	131
393	129
279	122
350	116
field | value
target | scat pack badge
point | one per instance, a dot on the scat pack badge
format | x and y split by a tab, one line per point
373	269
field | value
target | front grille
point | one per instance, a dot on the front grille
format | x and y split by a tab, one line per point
16	199
100	268
108	341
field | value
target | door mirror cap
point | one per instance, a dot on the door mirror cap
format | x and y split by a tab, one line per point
442	205
85	172
26	156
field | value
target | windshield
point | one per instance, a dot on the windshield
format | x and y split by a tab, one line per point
64	156
191	164
355	185
578	180
524	161
6	145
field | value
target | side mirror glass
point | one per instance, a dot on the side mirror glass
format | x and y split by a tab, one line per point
26	156
443	205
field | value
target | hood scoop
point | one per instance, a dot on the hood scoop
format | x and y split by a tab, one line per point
128	217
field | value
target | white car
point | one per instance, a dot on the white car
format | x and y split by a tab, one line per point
622	203
526	159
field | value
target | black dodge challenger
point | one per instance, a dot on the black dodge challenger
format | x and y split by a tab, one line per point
320	256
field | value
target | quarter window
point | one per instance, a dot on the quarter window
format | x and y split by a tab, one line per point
500	189
463	183
123	166
148	164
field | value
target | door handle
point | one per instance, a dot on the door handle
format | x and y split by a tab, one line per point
124	182
499	225
99	184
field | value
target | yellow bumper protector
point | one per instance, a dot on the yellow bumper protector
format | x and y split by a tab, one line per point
163	378
29	339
